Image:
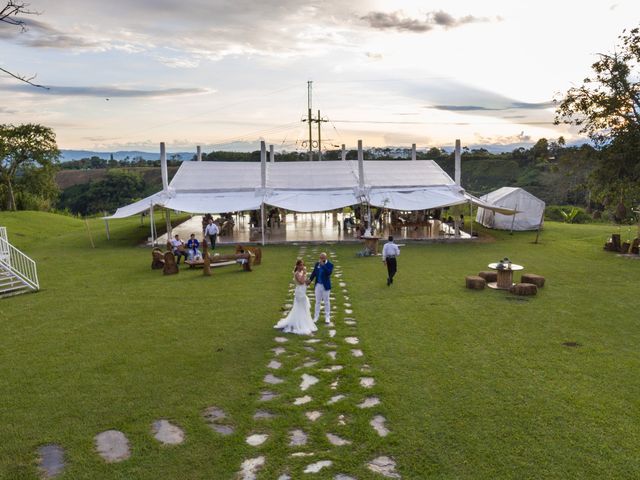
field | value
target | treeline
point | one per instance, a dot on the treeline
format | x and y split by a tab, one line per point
97	163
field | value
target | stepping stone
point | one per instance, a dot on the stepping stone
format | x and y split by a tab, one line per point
336	440
332	333
332	368
357	353
335	399
365	368
288	306
302	400
278	351
302	454
112	446
281	339
352	340
313	340
342	476
167	433
316	467
284	476
331	345
347	304
257	439
348	311
385	466
332	354
267	395
308	381
297	438
342	284
344	297
309	349
310	363
272	379
342	420
334	385
314	415
274	364
344	290
378	425
51	460
350	322
369	402
249	468
263	415
367	382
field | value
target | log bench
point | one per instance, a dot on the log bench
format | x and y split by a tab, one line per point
245	260
475	282
537	280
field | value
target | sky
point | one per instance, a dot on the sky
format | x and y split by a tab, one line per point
126	75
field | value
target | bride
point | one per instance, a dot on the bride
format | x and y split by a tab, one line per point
299	320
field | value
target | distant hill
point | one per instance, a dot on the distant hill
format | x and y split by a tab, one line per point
68	155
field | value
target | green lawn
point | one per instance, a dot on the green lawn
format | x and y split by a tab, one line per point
474	384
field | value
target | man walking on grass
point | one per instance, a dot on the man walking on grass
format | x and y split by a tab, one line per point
212	232
389	253
322	275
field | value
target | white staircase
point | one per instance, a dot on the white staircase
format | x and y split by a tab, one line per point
18	273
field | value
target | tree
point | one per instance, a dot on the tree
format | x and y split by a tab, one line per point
25	150
606	107
10	14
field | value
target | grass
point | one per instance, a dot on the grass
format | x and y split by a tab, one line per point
473	383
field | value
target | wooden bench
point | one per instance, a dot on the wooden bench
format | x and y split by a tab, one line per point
245	260
255	251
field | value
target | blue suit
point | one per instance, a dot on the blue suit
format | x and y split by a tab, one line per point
322	274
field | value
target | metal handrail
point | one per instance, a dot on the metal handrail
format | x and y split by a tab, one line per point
16	262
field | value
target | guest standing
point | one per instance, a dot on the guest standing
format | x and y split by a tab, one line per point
389	253
212	232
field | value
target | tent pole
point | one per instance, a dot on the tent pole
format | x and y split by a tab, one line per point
413	152
168	220
106	224
262	221
152	226
513	220
471	217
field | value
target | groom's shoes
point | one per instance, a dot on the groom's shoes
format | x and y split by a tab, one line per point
327	321
388	281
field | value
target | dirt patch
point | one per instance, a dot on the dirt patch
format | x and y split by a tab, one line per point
572	344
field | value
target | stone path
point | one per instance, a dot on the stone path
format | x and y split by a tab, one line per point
326	394
315	398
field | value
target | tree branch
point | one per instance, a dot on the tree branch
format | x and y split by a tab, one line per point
24	79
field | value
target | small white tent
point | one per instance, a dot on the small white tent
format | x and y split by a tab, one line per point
530	210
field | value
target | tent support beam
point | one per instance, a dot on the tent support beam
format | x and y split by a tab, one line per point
262	221
152	226
168	220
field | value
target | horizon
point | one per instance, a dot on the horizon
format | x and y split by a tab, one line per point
389	73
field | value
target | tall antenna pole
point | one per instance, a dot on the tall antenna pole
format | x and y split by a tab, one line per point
309	86
319	138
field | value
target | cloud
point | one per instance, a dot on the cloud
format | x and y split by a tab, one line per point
44	35
105	92
397	21
374	56
517	139
505	105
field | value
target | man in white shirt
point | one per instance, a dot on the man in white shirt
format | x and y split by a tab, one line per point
212	231
177	247
389	253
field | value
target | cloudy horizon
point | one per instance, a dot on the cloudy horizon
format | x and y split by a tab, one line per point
127	75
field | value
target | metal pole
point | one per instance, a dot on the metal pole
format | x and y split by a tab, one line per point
471	217
344	153
272	155
262	221
199	153
513	220
413	152
153	227
319	139
458	157
309	83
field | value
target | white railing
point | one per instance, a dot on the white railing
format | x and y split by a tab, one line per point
4	251
16	262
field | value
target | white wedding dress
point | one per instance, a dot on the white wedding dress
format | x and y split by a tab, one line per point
299	320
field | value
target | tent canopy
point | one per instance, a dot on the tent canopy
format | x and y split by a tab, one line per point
303	186
530	210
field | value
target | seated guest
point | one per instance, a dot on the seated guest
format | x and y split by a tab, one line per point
177	247
192	246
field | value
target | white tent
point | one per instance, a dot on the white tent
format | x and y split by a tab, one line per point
529	215
303	186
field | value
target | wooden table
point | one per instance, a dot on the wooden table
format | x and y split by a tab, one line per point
505	275
371	244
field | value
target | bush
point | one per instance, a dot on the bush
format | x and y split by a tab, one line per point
566	214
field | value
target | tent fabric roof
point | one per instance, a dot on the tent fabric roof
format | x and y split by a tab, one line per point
303	186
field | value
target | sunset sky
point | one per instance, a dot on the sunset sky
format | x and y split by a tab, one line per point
126	75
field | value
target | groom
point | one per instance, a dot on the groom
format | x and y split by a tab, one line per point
322	275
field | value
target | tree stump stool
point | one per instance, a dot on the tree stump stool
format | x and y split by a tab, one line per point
537	280
170	266
524	289
489	276
635	246
157	259
475	282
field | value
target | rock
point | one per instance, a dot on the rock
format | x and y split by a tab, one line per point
331	345
357	353
302	454
266	395
342	284
342	476
350	322
385	466
332	368
342	420
297	438
332	333
347	304
112	446
272	379
274	364
367	382
51	460
263	415
284	476
167	433
310	363
316	467
302	400
336	440
308	381
249	468
281	339
314	415
352	340
309	349
334	385
365	368
369	402
313	340
257	439
223	429
278	351
332	354
348	311
378	425
335	399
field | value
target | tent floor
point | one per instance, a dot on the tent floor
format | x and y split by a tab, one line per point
310	227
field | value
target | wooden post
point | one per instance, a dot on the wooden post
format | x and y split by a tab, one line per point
513	219
344	156
168	221
272	155
199	153
206	267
